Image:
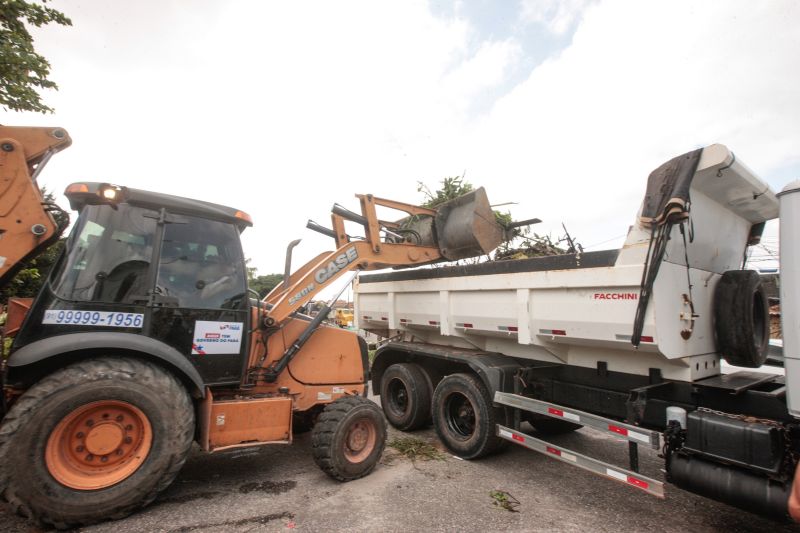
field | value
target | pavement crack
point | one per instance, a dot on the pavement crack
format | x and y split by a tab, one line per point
255	520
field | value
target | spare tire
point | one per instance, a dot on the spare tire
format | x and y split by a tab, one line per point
741	318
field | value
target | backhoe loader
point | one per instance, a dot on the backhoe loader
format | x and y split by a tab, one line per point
144	338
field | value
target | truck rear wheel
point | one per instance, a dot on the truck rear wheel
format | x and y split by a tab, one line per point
95	440
348	438
464	417
406	396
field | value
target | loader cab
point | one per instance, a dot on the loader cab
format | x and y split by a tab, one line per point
164	267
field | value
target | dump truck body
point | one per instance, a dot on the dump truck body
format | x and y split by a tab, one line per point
620	334
577	309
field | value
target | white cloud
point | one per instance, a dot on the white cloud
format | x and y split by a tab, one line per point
640	83
283	109
558	16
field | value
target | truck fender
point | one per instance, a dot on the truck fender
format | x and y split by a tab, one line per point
495	370
102	343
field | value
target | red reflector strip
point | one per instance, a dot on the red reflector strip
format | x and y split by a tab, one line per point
638	482
404	320
647	338
433	323
559	332
553	411
617	429
518	437
385	318
513	328
467	325
554	451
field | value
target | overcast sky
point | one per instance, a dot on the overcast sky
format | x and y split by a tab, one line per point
282	109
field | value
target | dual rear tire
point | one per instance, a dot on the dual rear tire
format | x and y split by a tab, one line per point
460	407
465	418
406	396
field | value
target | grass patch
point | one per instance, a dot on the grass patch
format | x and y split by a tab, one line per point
415	448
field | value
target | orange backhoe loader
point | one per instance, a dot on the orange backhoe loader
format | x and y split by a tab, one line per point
144	338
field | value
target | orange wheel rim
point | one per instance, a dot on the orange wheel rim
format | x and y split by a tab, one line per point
360	440
98	445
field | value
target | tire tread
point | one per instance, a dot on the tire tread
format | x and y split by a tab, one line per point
144	372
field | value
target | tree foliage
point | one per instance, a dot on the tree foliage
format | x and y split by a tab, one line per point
29	280
451	188
262	284
23	72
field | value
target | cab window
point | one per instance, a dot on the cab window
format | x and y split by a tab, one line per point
108	256
201	265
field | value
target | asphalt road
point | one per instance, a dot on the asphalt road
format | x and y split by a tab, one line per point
279	488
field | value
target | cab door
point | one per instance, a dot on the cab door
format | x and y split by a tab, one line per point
199	302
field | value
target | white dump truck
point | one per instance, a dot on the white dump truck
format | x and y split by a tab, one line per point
628	341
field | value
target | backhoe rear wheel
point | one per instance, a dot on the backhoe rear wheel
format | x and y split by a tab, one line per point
348	438
95	440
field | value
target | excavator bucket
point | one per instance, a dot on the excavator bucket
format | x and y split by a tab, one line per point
462	227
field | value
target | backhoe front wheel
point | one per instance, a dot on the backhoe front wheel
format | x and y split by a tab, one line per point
348	438
93	441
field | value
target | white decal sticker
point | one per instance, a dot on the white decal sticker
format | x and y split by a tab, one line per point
506	434
216	337
221	419
617	475
569	457
639	436
338	390
323	396
572	416
2	260
93	318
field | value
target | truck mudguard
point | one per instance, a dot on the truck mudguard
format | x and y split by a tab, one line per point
107	340
495	370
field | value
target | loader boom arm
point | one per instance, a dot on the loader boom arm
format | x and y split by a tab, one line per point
26	225
467	222
324	269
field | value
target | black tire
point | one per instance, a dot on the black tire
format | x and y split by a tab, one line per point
25	479
304	422
464	417
741	318
337	437
550	426
406	396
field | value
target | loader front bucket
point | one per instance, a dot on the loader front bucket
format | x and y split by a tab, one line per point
462	227
467	227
